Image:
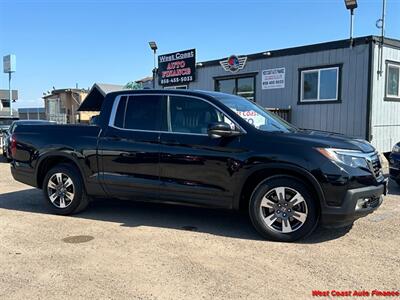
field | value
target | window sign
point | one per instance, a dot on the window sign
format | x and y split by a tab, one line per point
273	79
251	117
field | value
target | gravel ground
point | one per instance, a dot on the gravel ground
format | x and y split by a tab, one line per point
124	250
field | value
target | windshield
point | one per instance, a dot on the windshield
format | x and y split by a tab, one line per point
255	115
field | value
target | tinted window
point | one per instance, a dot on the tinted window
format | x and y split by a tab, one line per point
242	86
320	84
120	114
144	112
393	85
191	115
245	87
310	85
328	84
226	86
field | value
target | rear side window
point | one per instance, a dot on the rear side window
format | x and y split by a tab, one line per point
120	114
144	113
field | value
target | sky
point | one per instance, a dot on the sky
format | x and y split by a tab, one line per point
61	43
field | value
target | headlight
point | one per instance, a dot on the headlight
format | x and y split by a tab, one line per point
396	148
352	158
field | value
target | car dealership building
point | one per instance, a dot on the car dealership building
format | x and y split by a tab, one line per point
333	86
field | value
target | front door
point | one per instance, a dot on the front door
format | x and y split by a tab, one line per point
129	148
195	168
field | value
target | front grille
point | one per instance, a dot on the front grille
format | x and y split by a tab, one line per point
376	165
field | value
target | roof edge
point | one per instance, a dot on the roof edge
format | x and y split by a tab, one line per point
345	43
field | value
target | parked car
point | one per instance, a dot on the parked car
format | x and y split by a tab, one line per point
203	148
5	123
394	163
8	132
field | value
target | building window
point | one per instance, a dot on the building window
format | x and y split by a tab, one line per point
241	86
392	81
319	84
5	103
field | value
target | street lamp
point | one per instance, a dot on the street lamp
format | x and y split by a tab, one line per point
153	46
351	5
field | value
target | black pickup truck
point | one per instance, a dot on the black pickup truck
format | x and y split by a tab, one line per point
203	148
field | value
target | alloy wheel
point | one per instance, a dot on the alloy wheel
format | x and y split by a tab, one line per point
283	209
61	190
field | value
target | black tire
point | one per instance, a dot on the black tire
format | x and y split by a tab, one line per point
259	216
79	201
398	181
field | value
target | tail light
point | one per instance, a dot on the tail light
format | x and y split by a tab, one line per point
13	145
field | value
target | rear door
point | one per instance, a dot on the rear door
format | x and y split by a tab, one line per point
195	168
129	147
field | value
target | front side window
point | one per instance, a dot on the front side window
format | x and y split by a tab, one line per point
241	86
319	84
192	115
392	81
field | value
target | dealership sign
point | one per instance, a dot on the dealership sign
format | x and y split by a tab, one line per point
233	63
273	79
177	68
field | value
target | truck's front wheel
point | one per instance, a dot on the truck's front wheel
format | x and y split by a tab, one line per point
282	209
64	191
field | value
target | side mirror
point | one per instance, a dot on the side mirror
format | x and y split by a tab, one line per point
221	129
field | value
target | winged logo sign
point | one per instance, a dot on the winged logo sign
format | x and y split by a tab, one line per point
234	63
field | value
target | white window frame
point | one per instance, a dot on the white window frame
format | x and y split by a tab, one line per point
396	66
302	72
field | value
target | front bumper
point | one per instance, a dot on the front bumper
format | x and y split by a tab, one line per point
394	165
333	216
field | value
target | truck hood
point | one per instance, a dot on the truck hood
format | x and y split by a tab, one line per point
326	139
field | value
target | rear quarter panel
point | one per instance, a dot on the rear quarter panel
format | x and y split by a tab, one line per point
36	143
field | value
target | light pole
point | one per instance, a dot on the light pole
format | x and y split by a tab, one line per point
9	66
351	5
380	24
153	46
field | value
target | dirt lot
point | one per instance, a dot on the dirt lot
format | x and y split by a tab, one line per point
148	251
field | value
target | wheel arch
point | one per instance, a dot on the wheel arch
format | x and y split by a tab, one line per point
49	160
266	172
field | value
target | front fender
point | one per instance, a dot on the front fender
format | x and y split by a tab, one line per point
273	169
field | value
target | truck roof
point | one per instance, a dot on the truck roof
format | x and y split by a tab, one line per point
95	103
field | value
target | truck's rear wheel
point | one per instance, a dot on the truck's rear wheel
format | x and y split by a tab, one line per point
282	209
64	191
